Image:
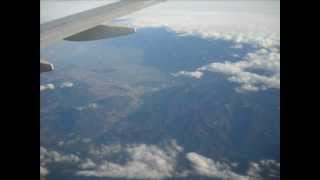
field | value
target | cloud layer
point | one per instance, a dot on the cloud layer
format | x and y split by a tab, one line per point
48	157
144	162
242	72
207	167
240	22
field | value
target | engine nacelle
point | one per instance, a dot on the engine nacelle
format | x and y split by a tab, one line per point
45	66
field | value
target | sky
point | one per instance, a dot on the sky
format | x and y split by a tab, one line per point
55	9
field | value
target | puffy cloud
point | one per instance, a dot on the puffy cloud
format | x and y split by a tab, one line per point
104	150
43	171
144	162
243	72
87	164
47	87
66	84
207	167
89	106
257	170
47	157
51	86
195	74
264	168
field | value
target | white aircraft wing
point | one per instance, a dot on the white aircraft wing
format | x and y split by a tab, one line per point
87	25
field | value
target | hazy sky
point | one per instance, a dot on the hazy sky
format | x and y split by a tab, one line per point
53	9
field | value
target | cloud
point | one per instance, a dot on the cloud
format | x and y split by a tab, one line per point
43	171
47	157
87	164
243	72
143	162
47	87
60	143
264	168
237	46
240	22
51	86
89	106
66	84
86	140
102	150
195	74
154	162
207	167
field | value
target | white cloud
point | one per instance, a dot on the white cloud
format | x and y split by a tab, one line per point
66	84
87	164
195	74
241	72
51	86
104	150
207	167
47	87
269	162
47	157
43	171
155	162
258	170
144	162
89	106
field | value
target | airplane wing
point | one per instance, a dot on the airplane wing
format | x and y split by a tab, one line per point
87	25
